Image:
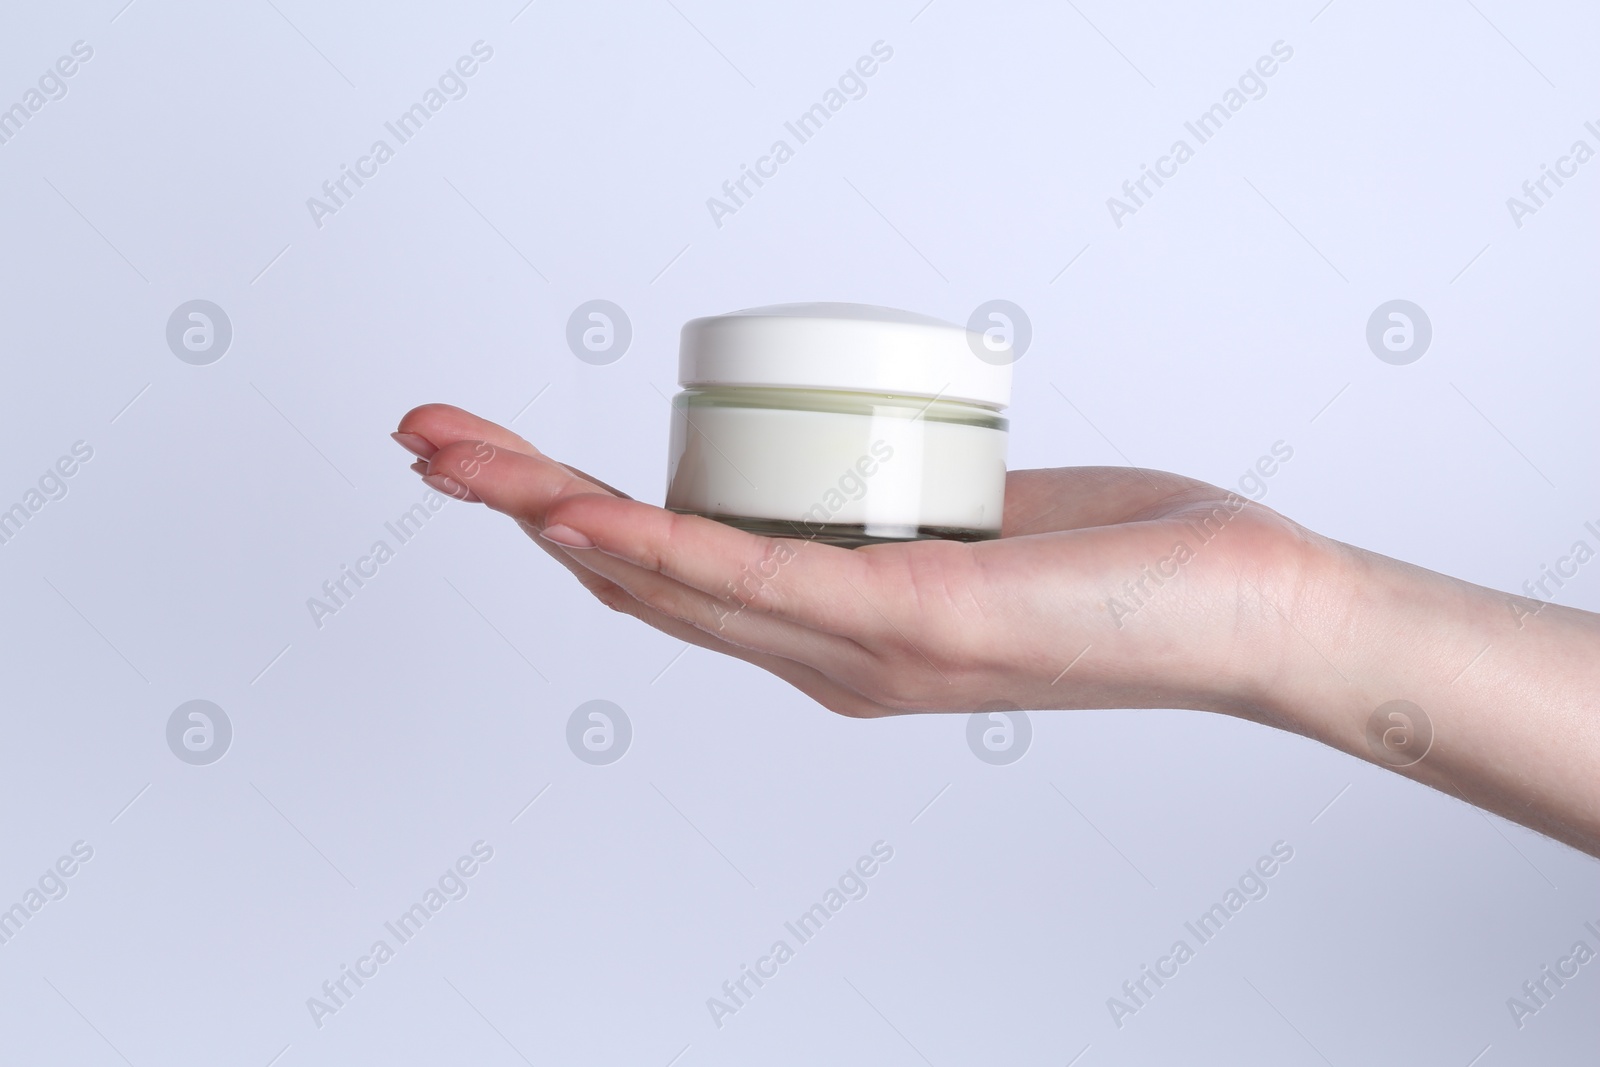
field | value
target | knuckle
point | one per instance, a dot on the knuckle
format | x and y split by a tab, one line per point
673	601
899	695
464	459
656	550
616	598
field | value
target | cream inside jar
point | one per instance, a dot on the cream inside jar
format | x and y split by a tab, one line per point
841	423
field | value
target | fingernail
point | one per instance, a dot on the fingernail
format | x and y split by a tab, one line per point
451	488
565	535
420	466
416	444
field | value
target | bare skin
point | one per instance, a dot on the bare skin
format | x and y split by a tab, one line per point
1109	587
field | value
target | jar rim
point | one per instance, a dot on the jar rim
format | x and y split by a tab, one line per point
845	401
845	347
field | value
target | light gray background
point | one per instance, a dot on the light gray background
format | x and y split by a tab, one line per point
1226	315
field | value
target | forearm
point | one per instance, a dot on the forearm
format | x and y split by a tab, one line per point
1509	687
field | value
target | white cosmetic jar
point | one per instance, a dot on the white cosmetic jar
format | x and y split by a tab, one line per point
841	423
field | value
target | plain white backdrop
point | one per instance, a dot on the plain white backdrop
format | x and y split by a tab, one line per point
1227	314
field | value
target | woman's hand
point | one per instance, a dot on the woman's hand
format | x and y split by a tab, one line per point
1109	587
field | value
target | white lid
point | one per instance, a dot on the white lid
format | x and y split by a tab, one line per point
844	346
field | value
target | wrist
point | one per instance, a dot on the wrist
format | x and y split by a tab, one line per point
1327	661
1460	687
1370	648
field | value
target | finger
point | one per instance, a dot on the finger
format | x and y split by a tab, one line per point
524	487
441	425
1075	498
829	692
613	490
506	480
796	580
726	616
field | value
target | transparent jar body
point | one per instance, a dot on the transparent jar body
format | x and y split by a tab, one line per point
843	468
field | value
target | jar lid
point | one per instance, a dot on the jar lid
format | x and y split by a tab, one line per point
855	347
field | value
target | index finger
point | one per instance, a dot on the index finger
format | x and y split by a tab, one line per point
443	425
